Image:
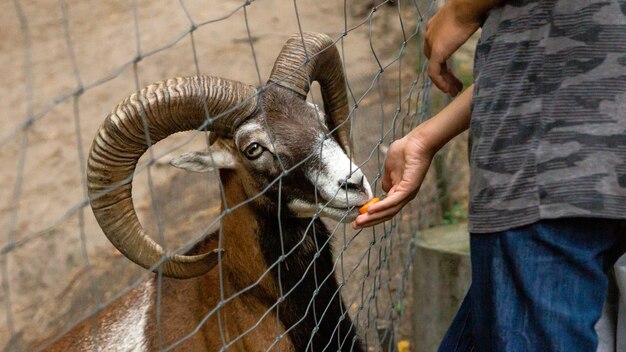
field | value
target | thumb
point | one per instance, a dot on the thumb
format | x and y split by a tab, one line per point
386	181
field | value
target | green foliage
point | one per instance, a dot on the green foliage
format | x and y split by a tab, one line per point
400	308
455	215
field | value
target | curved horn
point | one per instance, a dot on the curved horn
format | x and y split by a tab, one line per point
295	67
178	104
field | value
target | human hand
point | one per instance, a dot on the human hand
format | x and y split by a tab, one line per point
406	165
408	159
446	31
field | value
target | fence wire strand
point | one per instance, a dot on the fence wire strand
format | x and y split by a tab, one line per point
388	95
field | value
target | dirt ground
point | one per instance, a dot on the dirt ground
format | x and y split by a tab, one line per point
57	265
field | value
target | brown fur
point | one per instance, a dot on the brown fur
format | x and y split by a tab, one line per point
184	303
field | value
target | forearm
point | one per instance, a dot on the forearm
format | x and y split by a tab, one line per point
447	124
446	31
474	10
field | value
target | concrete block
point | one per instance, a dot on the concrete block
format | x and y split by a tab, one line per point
441	277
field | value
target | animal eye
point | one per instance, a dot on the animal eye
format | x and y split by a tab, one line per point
253	151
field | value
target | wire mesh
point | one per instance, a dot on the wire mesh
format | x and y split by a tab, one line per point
68	63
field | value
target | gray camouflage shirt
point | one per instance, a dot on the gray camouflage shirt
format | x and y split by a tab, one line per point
548	128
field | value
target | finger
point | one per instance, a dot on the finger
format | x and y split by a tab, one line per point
390	211
434	72
386	182
457	82
391	201
363	221
369	224
428	42
454	83
447	75
436	68
453	91
449	78
367	220
431	22
387	213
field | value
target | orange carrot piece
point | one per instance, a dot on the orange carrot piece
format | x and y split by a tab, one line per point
363	209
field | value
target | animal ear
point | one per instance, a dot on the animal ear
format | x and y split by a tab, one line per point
204	161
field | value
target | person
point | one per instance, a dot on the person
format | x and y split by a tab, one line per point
547	205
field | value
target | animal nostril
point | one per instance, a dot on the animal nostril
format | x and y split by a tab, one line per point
353	186
349	184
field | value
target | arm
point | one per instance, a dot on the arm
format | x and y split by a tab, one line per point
446	31
408	159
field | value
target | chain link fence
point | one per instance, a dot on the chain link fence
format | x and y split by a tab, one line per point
67	63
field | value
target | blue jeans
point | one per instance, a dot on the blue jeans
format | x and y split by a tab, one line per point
538	287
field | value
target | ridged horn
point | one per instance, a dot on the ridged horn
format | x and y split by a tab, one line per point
175	105
293	71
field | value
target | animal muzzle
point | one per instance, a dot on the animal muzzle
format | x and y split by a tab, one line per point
339	182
